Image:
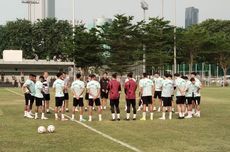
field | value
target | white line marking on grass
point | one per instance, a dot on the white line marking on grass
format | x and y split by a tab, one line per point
94	130
14	92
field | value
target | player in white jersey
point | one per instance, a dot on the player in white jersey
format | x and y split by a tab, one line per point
40	106
180	95
158	88
190	96
197	95
59	87
78	88
93	88
197	81
46	92
147	90
28	89
167	87
66	94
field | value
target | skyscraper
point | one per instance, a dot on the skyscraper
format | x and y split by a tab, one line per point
191	16
50	8
44	9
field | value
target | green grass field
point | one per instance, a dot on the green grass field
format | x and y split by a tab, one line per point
210	133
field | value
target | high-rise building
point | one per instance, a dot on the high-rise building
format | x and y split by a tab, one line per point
50	8
43	9
191	16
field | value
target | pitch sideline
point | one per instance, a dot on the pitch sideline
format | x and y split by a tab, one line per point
94	130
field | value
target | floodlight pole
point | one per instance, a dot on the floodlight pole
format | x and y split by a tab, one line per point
175	48
144	6
73	24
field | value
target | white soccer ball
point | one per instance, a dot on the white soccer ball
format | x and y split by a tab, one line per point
51	128
41	129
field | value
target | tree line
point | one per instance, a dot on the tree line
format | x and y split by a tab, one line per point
119	45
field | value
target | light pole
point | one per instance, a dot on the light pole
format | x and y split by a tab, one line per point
174	50
30	2
145	7
73	24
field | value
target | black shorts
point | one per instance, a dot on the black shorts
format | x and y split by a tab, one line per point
66	96
46	97
157	94
39	101
147	100
29	99
197	100
180	100
167	101
59	101
104	95
189	100
97	102
78	102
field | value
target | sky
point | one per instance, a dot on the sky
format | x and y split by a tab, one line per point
88	10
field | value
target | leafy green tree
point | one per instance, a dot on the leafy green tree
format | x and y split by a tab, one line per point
121	38
52	37
87	50
190	42
157	37
18	36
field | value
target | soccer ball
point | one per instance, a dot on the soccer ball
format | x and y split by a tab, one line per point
41	129
50	128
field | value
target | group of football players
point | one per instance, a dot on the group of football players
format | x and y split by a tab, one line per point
185	90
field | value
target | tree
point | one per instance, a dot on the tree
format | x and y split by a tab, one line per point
52	37
157	37
87	50
18	36
190	43
218	50
121	38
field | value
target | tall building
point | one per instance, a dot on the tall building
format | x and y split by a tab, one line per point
43	9
191	16
50	8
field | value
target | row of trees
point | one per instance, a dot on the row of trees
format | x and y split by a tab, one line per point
119	45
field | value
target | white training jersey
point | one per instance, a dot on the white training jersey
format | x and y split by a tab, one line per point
197	88
180	85
30	86
46	87
59	86
93	87
147	85
78	86
167	87
158	83
38	89
190	89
